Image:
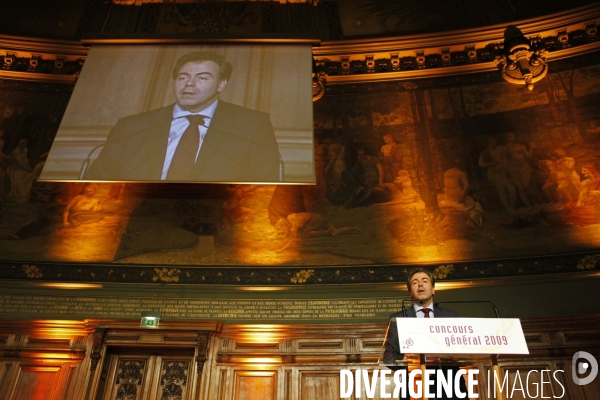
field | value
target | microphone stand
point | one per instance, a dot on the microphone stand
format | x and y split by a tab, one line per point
404	307
87	161
281	168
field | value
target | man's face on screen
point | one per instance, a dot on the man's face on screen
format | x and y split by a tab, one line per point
198	85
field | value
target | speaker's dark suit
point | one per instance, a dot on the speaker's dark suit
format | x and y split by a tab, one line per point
239	146
392	346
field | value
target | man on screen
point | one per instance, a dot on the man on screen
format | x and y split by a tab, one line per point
200	138
421	286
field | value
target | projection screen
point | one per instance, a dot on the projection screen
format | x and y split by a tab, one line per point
124	119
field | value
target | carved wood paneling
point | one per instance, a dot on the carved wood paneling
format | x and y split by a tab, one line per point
591	391
255	385
319	385
4	371
129	378
38	382
290	371
148	376
222	384
174	380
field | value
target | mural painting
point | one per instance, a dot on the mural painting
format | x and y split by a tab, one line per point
433	175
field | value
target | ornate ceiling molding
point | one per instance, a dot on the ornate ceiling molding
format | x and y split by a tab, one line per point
566	34
562	35
141	2
289	276
41	60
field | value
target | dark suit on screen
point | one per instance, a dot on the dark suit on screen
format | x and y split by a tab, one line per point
392	346
239	146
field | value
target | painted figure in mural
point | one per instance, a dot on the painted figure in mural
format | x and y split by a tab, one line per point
593	131
566	176
404	183
9	126
231	210
401	190
83	209
369	174
493	158
286	200
309	224
456	185
336	164
392	158
520	171
586	210
584	187
420	283
2	209
549	167
230	143
4	164
20	174
456	189
320	159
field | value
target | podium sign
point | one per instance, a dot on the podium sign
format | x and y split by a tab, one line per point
461	336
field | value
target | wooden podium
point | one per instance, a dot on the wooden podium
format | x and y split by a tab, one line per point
457	342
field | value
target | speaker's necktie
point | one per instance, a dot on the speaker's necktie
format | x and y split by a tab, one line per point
426	312
184	157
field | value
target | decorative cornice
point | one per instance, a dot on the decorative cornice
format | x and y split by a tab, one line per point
70	49
468	51
141	2
40	60
565	34
279	276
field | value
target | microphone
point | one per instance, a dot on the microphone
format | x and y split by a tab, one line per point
412	301
281	168
404	307
86	163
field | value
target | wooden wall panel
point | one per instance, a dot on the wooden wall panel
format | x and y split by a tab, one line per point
591	391
129	377
37	383
319	385
292	362
173	378
255	385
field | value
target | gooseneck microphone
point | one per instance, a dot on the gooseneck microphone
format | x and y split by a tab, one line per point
86	163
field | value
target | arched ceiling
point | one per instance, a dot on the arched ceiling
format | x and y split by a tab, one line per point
325	19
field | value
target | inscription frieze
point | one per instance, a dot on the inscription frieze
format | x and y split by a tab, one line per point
271	310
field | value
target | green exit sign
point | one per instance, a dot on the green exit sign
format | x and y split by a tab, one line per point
149	322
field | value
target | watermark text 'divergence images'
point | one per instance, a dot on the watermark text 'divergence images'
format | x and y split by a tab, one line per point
437	383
